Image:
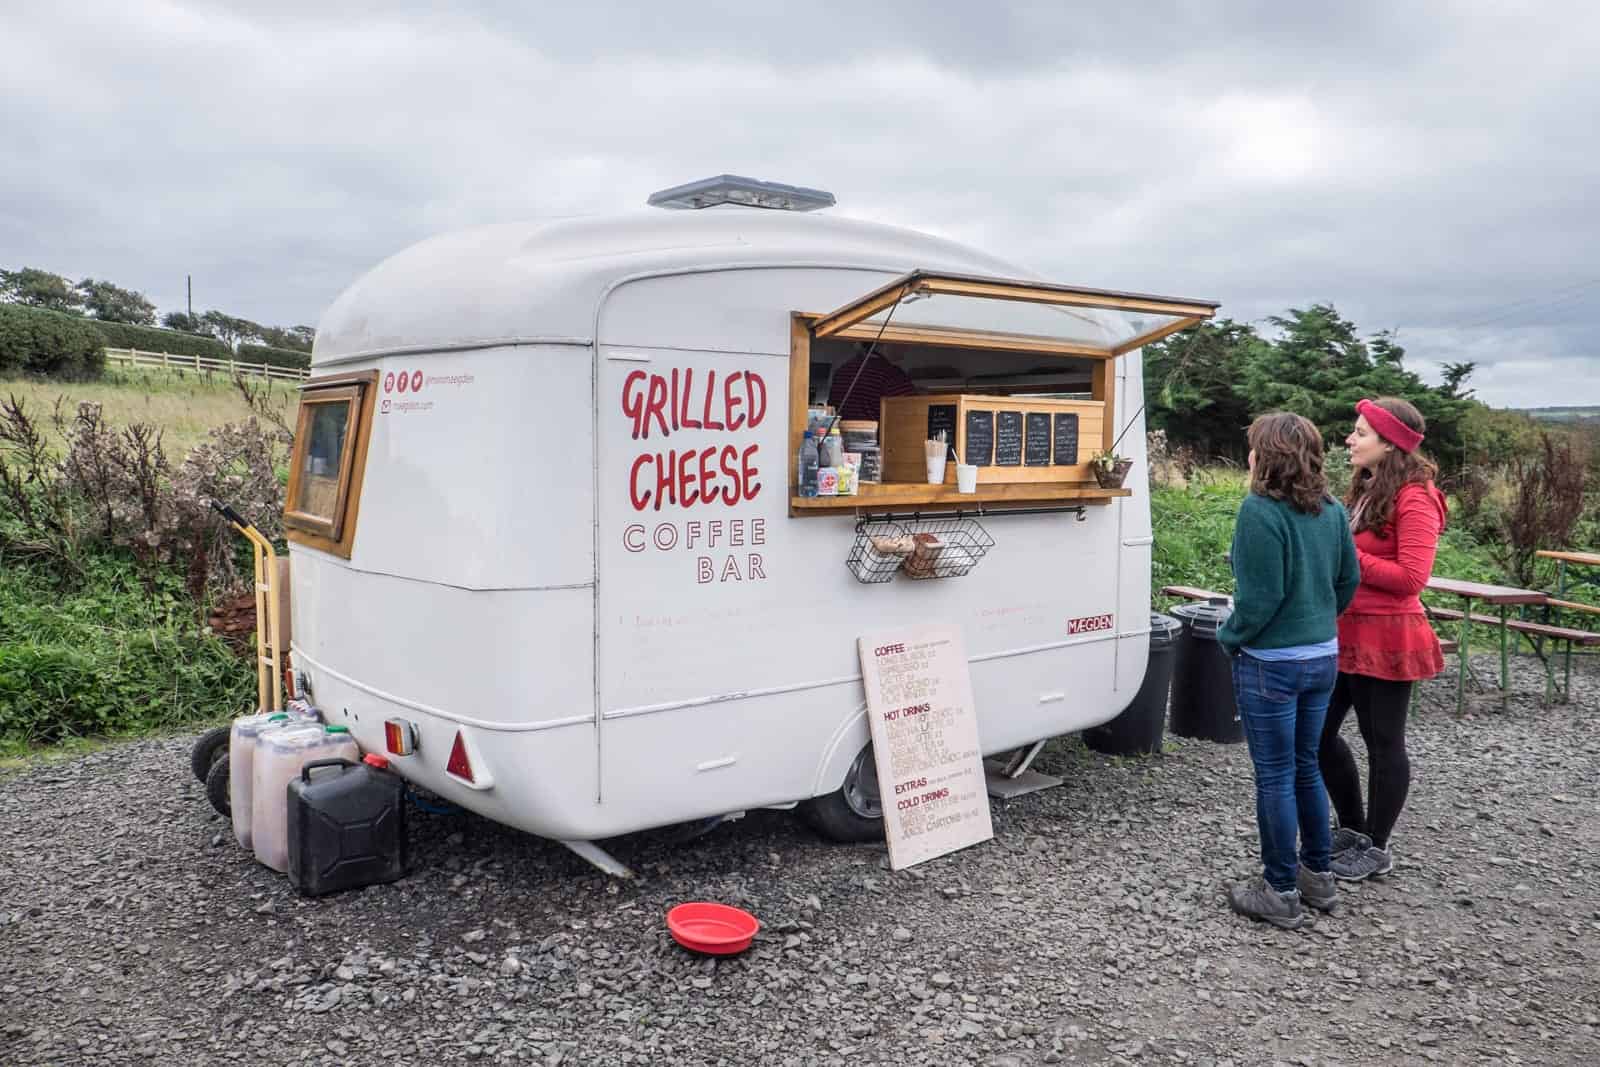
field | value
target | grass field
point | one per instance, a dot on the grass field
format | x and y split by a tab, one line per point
185	404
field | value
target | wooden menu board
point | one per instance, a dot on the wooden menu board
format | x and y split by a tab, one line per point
925	742
982	427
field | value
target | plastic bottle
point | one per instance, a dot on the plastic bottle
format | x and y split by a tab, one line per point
809	462
280	755
832	450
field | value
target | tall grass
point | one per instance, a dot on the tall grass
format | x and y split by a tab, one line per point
1193	527
107	657
185	405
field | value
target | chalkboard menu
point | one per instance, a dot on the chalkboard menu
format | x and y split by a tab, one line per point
1066	440
1037	440
980	437
942	418
1008	439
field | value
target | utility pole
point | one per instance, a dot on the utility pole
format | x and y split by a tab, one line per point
188	281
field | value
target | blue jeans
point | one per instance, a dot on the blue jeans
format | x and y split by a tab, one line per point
1282	706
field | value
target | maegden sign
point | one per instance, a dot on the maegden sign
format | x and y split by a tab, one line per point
925	741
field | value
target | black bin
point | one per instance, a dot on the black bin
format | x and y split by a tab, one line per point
347	827
1142	724
1202	677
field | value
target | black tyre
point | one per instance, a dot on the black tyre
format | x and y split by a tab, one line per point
217	787
208	748
853	812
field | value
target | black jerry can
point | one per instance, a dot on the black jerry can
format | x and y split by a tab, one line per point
347	827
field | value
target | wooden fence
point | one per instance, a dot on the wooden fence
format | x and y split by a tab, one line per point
133	357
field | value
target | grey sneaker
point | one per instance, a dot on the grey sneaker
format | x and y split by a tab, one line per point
1358	865
1345	839
1317	889
1258	900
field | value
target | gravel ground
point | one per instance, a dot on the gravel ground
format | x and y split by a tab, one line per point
1092	929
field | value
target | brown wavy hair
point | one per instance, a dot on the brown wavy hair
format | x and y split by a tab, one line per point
1288	462
1372	494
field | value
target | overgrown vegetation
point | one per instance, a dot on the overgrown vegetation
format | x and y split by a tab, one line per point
110	654
109	556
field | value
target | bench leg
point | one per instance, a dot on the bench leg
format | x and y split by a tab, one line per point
1461	654
1505	684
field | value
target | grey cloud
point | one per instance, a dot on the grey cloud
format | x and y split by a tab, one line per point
1417	165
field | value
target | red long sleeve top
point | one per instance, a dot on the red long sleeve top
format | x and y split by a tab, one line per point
1396	565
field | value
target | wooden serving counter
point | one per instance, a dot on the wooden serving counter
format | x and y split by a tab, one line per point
902	495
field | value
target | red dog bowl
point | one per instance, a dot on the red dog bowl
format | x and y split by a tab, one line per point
714	929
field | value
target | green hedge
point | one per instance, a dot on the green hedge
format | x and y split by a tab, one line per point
155	339
278	357
36	341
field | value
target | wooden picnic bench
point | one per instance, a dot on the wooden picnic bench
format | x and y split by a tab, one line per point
1191	592
1562	635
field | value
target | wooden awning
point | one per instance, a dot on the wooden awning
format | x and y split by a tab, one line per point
999	313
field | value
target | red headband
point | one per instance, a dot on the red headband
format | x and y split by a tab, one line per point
1389	428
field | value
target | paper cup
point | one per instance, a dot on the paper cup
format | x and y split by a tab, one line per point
967	477
936	469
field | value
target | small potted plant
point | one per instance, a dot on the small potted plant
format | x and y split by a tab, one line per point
1109	468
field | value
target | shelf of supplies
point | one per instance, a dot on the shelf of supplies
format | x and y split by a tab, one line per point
912	494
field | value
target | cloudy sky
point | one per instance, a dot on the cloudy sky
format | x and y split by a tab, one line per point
1429	168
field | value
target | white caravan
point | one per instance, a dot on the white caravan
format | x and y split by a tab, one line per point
548	544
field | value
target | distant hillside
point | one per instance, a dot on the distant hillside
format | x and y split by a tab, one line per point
1563	414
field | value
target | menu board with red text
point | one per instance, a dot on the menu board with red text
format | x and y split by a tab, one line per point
925	741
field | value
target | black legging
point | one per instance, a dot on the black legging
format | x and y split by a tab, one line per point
1381	714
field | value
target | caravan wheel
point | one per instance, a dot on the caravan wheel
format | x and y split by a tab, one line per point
854	812
208	748
217	787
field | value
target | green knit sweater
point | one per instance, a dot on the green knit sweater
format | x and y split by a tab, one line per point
1293	574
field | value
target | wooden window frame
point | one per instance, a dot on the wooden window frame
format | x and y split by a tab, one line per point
337	536
803	331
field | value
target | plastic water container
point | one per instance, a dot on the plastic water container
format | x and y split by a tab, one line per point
347	825
242	739
280	756
808	464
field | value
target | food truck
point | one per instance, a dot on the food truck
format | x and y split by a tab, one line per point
549	548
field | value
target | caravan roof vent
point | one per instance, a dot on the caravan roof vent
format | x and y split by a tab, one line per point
734	189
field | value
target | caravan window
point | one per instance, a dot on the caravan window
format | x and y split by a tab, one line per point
325	470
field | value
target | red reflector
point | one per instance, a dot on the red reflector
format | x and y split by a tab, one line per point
459	765
372	759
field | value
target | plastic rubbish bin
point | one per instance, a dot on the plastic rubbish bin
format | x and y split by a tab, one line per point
1142	724
1202	677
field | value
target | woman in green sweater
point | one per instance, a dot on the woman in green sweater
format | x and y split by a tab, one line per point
1295	569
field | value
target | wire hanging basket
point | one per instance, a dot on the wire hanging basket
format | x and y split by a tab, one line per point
918	548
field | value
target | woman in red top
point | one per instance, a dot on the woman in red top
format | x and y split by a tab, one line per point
1385	642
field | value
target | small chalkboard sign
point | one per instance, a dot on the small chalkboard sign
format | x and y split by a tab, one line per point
1037	440
1008	439
1066	440
942	417
980	438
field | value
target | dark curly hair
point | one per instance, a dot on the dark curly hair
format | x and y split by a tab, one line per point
1288	461
1372	494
